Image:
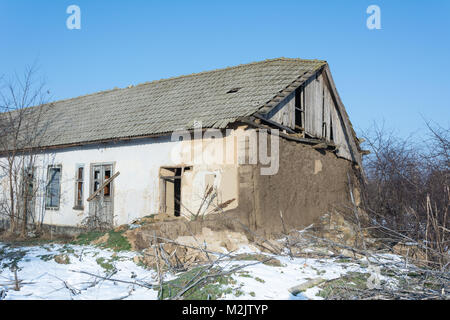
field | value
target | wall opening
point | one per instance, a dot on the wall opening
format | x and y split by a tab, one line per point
170	193
101	206
299	110
331	128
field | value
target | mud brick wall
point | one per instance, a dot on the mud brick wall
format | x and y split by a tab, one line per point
309	183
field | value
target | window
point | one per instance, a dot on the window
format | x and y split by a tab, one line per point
100	174
107	189
300	109
79	184
53	190
97	178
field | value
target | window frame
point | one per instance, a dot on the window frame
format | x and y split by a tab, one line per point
93	180
49	168
79	203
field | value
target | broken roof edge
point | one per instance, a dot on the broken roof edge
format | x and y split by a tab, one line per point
349	130
284	93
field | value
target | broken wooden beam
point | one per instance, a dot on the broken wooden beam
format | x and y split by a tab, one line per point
312	141
276	124
92	196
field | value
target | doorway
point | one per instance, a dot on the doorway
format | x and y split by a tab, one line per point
101	208
170	190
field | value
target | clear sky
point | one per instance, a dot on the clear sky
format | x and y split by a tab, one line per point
399	74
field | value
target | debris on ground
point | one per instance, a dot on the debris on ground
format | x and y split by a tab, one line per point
62	259
331	260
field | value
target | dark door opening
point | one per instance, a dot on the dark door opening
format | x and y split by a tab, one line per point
299	110
177	193
170	196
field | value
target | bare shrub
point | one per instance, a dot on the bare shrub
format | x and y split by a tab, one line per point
407	191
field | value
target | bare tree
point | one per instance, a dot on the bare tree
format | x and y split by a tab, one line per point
21	132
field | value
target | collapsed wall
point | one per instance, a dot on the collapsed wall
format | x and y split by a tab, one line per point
309	183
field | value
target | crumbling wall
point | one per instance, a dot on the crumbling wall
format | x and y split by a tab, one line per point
309	183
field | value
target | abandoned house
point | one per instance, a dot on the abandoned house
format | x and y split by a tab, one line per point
119	155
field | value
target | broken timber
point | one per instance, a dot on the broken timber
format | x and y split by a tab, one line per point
92	196
322	144
273	123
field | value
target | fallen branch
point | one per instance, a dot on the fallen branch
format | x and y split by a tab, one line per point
144	285
212	276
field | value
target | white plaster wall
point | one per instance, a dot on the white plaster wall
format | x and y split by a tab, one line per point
136	189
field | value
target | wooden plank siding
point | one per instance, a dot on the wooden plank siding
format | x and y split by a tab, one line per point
326	119
339	135
284	113
322	118
313	107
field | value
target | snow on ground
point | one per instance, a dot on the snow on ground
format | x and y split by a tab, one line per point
267	282
43	278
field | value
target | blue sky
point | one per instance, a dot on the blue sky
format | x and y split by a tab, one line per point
399	74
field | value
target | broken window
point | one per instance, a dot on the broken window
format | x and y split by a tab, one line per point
53	190
107	189
100	174
97	178
79	184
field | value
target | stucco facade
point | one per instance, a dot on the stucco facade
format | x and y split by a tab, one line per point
137	192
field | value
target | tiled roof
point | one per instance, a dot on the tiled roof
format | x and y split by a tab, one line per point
163	106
